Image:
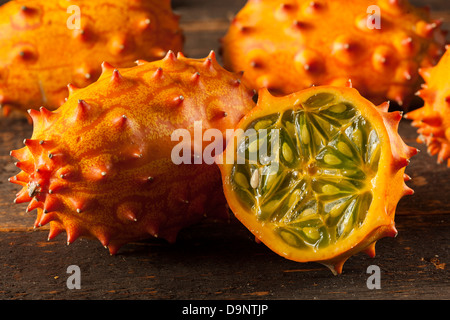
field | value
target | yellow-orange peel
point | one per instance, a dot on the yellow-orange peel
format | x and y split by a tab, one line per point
101	165
289	45
433	119
335	175
46	45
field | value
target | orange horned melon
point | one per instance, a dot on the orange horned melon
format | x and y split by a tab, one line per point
101	165
316	175
290	45
45	45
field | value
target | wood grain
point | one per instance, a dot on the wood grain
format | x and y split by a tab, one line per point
221	261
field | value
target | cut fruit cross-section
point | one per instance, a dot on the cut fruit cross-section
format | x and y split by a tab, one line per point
317	175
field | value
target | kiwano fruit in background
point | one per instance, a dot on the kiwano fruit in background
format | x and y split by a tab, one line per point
289	45
100	166
433	119
337	179
42	49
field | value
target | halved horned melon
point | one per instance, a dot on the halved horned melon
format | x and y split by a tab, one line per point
317	175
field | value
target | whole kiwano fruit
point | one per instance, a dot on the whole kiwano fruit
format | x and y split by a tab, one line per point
317	175
433	119
101	165
45	45
290	45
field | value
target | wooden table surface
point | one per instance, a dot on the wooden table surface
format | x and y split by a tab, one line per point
220	260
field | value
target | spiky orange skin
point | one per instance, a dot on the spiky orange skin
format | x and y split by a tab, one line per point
433	119
100	165
40	52
290	45
388	189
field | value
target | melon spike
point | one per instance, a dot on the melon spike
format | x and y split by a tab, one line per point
384	106
106	67
370	250
55	230
153	229
72	89
212	56
335	268
114	248
116	77
34	204
34	146
196	76
46	114
73	233
81	111
103	237
22	196
45	218
140	62
170	56
20	154
35	115
158	73
51	203
28	166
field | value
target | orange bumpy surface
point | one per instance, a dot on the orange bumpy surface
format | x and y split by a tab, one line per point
42	49
100	165
433	119
289	45
328	199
